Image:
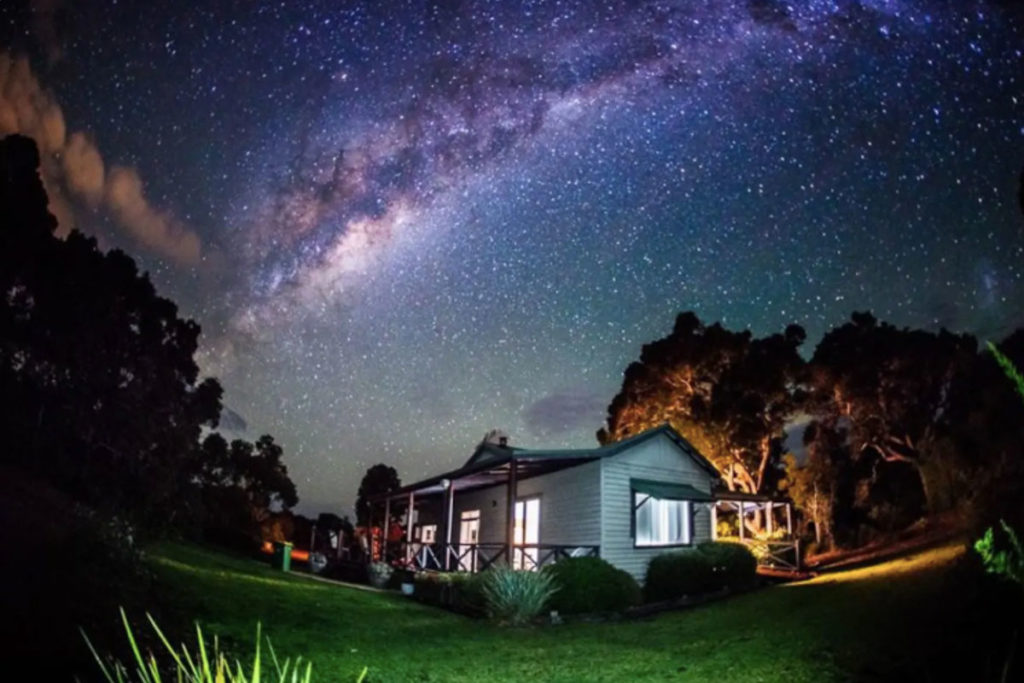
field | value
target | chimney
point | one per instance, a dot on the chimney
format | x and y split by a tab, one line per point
496	437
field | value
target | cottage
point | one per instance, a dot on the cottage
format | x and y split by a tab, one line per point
625	502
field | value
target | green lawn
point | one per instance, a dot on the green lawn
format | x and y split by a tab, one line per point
878	623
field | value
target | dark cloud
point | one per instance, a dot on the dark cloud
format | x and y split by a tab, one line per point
230	421
565	411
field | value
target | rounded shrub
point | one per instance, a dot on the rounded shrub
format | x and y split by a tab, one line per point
732	564
590	584
670	576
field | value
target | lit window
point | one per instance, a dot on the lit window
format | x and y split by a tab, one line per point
428	532
660	522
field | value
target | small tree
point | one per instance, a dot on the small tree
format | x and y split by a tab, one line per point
378	479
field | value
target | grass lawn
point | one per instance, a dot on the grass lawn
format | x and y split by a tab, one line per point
885	622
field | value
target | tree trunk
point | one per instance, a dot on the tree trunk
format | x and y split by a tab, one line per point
816	513
903	451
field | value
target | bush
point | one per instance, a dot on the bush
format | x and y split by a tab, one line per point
590	584
515	597
732	564
466	593
670	576
457	591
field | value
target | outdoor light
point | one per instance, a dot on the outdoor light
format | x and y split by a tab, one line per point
446	484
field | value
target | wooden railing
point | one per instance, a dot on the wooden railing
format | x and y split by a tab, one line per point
476	557
777	554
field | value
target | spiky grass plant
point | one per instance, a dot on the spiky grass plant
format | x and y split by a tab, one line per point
1008	367
198	666
515	597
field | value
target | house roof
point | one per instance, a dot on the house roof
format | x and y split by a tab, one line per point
489	465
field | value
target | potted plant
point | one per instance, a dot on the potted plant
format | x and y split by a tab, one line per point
380	574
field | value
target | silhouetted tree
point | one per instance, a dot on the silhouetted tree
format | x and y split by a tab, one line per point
894	390
243	484
100	390
378	479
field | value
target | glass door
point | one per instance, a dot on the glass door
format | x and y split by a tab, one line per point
469	536
526	534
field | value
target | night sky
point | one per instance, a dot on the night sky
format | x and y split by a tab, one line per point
403	224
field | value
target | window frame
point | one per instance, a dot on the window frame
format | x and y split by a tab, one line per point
634	508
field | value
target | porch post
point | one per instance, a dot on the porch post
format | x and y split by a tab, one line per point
510	520
714	520
369	533
449	506
409	527
789	519
743	522
770	517
384	535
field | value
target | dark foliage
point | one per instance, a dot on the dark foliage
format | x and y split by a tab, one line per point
69	567
100	393
590	584
732	564
378	479
457	591
672	575
100	389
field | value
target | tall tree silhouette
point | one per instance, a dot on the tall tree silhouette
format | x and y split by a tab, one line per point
100	390
894	390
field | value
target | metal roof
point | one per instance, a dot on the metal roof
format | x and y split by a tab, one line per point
489	464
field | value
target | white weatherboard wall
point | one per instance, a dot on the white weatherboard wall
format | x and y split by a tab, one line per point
570	504
569	507
658	459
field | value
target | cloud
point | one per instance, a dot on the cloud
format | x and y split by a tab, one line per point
74	173
155	229
83	169
231	421
28	109
565	411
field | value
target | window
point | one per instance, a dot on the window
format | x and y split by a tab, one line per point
658	522
428	532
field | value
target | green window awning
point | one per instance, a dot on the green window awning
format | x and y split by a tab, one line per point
664	490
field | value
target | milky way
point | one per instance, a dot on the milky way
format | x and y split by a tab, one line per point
403	224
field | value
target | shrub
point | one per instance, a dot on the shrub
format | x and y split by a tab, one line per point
429	587
732	564
466	593
458	591
670	576
590	584
515	597
1005	562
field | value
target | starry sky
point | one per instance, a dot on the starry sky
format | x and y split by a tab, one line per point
401	224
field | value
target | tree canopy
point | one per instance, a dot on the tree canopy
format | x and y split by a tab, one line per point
728	392
898	422
100	388
378	479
